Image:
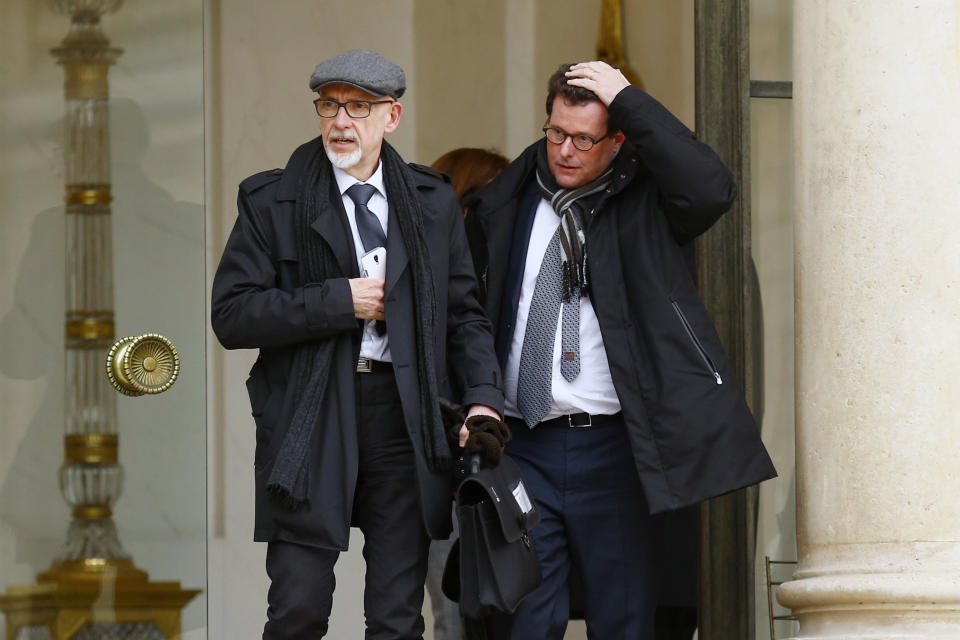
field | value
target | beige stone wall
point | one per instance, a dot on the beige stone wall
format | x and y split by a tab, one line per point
658	37
459	69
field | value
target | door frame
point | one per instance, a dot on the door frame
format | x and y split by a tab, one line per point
725	276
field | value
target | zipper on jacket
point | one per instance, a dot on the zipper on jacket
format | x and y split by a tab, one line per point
696	342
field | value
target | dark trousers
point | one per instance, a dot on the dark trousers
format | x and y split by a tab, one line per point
387	510
595	521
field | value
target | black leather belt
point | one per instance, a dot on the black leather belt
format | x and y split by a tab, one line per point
368	365
575	420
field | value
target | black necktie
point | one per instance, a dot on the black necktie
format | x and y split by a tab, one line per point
368	224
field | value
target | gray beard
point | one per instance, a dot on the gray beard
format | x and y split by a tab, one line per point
344	160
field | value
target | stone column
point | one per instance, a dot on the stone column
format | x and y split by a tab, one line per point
877	136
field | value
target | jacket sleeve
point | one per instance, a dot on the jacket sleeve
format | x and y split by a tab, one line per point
249	310
473	366
476	241
696	188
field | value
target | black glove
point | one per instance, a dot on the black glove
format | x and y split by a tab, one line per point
486	439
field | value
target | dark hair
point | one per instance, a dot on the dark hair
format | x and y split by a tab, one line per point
470	168
557	86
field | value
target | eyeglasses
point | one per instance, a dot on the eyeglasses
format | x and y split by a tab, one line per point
327	108
580	141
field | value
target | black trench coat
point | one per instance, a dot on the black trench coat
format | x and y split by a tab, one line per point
259	302
691	432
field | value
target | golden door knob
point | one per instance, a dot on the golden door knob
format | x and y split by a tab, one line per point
143	364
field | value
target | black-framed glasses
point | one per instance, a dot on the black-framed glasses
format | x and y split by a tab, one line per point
327	108
580	141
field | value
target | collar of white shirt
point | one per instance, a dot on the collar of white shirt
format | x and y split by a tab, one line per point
345	180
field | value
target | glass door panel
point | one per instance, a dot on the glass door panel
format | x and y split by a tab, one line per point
771	162
102	491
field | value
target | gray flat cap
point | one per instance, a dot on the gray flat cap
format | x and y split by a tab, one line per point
363	69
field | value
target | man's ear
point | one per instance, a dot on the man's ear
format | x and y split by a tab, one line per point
396	110
619	138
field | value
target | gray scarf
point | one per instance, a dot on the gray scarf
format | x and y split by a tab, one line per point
567	203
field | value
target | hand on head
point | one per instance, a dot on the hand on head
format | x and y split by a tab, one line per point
598	77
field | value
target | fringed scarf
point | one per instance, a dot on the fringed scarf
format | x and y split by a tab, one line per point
567	203
289	478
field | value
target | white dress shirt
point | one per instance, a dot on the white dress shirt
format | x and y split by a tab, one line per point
372	346
590	392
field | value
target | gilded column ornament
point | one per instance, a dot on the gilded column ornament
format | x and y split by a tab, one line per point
610	47
90	483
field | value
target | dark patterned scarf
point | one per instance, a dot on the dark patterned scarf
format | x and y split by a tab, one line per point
289	479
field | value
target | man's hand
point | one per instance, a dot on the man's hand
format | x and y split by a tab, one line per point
599	77
475	410
367	298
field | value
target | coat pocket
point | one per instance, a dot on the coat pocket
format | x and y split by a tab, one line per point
257	388
697	345
259	391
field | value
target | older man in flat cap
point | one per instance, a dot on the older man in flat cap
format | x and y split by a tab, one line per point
353	357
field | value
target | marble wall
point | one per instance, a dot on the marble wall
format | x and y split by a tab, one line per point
878	320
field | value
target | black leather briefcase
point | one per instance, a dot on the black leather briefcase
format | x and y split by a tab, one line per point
493	564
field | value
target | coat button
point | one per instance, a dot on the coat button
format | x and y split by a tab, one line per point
622	176
633	159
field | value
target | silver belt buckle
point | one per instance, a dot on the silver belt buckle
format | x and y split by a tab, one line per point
364	365
570	421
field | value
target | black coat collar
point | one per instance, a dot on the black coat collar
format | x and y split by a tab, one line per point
331	222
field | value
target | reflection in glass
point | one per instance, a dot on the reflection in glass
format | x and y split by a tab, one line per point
127	631
90	478
92	589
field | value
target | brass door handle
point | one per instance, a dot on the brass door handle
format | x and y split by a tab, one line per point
146	364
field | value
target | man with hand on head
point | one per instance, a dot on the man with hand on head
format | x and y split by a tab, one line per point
345	390
618	392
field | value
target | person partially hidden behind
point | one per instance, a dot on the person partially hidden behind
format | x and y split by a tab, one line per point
469	169
345	389
618	393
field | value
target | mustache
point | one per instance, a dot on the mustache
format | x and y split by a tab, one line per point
347	135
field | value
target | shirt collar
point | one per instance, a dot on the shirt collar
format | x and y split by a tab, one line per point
345	180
